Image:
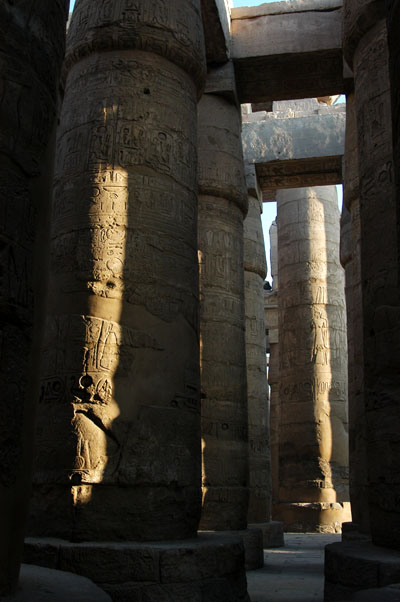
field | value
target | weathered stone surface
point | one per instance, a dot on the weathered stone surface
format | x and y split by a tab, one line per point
272	533
38	584
32	41
217	25
253	546
313	457
287	50
281	8
355	566
222	205
255	270
121	459
366	48
305	150
208	569
351	260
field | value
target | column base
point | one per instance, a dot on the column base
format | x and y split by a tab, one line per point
358	565
272	533
38	584
313	517
351	532
207	569
253	546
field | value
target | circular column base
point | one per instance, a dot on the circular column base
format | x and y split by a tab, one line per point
39	584
359	565
207	569
253	546
313	517
272	533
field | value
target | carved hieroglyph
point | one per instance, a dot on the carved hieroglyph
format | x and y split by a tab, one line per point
222	205
32	41
119	418
255	270
366	49
313	349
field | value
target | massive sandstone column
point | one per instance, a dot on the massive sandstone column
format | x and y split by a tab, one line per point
313	470
366	50
222	207
119	415
351	261
32	39
255	271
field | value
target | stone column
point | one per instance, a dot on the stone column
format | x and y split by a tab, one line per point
351	261
366	50
121	458
255	271
222	207
32	48
313	439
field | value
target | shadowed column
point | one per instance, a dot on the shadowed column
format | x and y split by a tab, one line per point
32	40
222	207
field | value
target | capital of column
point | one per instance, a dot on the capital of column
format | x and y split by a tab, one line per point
358	18
172	30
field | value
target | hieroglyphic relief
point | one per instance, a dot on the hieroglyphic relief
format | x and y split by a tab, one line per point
124	275
170	30
220	242
312	341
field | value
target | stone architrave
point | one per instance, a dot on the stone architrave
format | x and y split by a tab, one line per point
313	455
32	41
255	271
366	51
222	207
118	441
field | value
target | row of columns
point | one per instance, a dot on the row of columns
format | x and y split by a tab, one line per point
120	417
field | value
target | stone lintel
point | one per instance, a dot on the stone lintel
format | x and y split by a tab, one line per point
287	54
279	8
300	173
358	565
210	567
221	80
217	24
296	152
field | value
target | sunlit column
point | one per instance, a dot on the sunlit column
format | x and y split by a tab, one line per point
119	415
313	438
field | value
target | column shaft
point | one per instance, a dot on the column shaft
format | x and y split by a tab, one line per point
313	360
119	416
255	271
358	476
366	50
32	41
222	206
